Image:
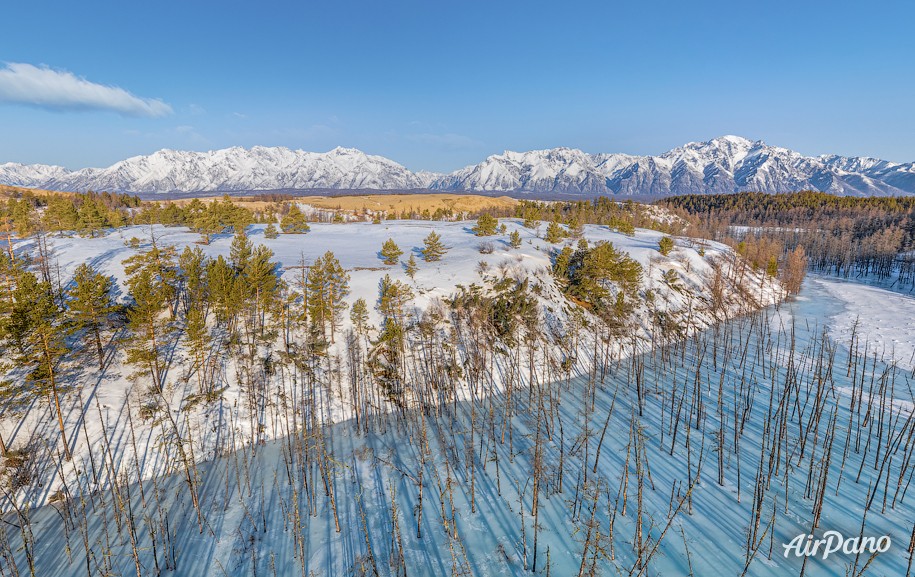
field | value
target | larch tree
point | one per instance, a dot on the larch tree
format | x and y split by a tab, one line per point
795	270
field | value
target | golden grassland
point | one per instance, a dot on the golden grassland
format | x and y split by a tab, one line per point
382	202
388	203
415	202
17	191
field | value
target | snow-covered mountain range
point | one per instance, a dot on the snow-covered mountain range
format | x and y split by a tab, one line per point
721	165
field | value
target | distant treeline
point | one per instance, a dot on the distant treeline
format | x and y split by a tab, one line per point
26	212
623	216
840	235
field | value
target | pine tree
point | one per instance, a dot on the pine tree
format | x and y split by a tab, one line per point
772	267
198	341
208	223
575	228
91	218
60	214
665	245
225	291
410	268
515	239
22	215
327	288
91	301
193	266
271	232
337	290
294	222
433	249
486	225
240	251
260	280
389	348
147	328
359	316
554	232
41	342
390	252
161	264
562	262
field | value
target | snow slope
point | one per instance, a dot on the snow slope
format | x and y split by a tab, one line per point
257	502
103	401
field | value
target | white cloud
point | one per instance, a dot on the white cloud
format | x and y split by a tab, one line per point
62	90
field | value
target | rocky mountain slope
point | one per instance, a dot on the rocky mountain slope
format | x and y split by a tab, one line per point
722	165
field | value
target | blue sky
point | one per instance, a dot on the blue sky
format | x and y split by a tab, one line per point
438	85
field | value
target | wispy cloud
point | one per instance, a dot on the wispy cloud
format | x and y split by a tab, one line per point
62	90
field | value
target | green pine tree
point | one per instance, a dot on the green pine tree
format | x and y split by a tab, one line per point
327	287
208	223
225	291
294	222
90	303
554	232
515	239
359	316
433	248
390	252
240	251
148	331
410	268
91	219
60	214
259	277
271	231
486	225
40	322
388	354
665	245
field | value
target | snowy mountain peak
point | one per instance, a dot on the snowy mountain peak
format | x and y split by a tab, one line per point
721	165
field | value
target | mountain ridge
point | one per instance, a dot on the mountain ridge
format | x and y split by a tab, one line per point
720	165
